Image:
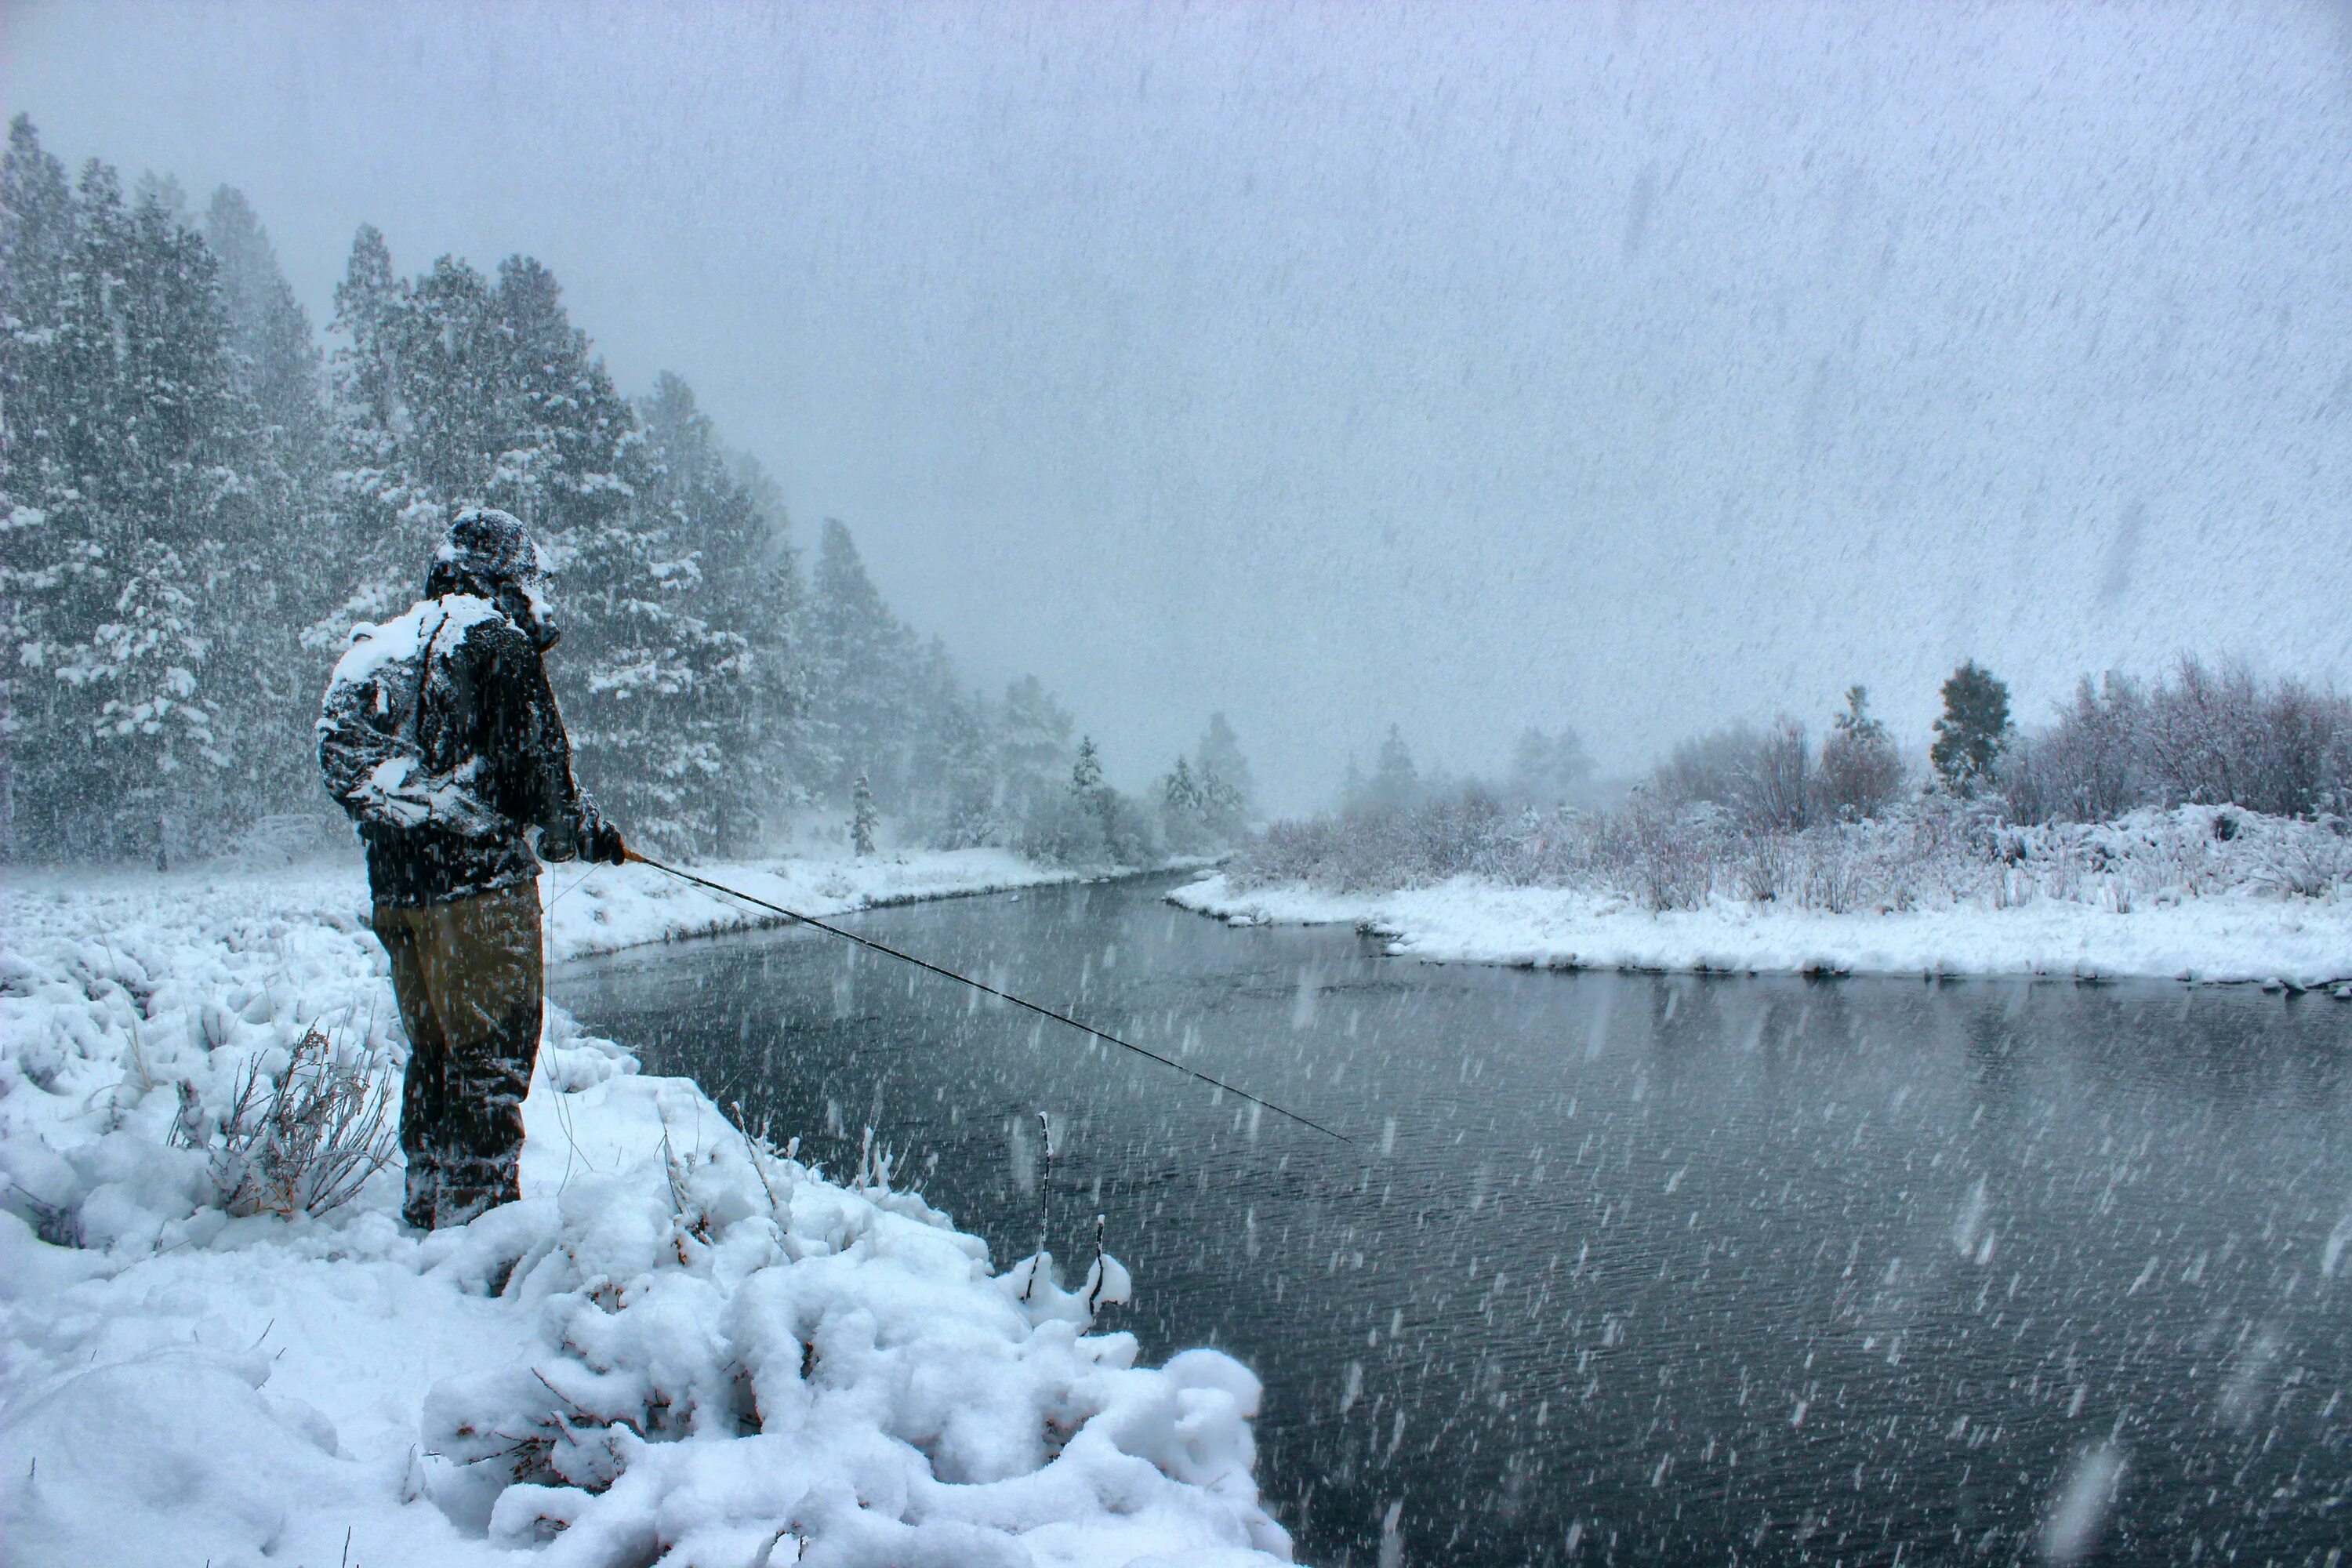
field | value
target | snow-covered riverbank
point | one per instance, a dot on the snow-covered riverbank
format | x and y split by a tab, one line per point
679	1347
2239	936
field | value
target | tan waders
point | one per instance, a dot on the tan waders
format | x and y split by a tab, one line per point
470	980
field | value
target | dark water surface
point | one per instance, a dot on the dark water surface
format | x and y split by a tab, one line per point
1626	1268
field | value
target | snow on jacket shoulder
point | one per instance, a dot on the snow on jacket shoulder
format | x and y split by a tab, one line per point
440	736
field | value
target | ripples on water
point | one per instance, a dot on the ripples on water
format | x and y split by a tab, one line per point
1627	1267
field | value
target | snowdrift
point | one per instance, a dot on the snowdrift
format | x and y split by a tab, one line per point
682	1347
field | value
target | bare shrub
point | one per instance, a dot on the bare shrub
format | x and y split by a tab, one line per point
1767	865
1663	857
1463	831
2202	736
303	1141
1831	870
1776	795
1763	778
1708	768
1861	772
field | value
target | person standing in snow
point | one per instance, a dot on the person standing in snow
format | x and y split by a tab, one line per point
439	735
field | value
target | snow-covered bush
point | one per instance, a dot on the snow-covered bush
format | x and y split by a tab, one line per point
1464	832
1763	780
2305	864
1932	852
301	1140
2199	736
1667	858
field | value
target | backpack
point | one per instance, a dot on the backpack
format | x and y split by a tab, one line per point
369	752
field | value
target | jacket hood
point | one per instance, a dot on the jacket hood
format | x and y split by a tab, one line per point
489	553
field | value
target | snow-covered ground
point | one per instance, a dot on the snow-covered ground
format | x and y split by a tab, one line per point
679	1347
2244	935
601	908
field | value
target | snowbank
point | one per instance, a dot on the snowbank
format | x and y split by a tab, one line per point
601	908
2238	936
680	1347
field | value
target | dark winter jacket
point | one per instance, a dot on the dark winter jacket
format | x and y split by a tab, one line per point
440	736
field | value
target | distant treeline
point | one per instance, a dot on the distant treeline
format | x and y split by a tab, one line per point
1769	814
2197	735
198	501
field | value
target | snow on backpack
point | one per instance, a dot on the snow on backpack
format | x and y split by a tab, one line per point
368	746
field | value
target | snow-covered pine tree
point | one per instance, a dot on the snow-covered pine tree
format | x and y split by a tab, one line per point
1353	786
968	781
386	515
1183	810
771	602
950	779
278	369
671	716
1180	791
1032	745
1547	769
130	478
45	550
1973	732
451	391
1228	794
277	363
1395	783
1225	775
861	668
862	816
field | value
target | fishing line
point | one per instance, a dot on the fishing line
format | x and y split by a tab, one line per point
984	987
573	889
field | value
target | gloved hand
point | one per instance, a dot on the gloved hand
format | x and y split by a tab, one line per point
604	844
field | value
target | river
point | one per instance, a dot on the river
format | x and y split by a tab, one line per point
1622	1268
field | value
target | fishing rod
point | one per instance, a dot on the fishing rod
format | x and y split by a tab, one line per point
980	986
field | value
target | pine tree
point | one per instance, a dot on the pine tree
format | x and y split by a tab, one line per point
1396	783
1033	743
862	816
679	672
1352	787
46	550
278	365
861	663
689	679
1228	794
950	781
452	391
277	371
131	481
966	815
1546	769
1184	810
1973	732
1180	791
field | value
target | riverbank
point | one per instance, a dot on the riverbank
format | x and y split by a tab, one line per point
2241	936
682	1346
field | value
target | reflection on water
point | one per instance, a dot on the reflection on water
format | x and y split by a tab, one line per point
1626	1268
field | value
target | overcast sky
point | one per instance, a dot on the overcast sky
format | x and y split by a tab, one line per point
1636	367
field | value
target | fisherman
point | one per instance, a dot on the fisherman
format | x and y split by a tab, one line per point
439	735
